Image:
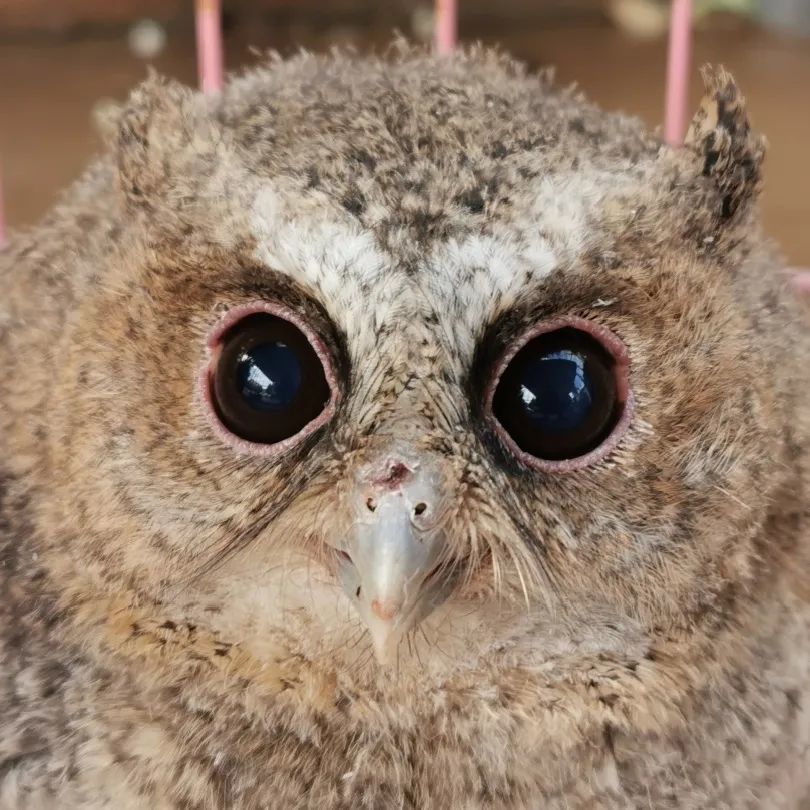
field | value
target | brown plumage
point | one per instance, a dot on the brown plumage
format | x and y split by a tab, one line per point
179	623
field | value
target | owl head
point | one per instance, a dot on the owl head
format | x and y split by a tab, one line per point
412	361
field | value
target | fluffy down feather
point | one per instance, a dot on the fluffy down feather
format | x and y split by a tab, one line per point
631	634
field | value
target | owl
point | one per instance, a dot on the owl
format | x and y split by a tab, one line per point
404	432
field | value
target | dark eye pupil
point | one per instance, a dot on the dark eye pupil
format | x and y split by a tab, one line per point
269	382
269	376
557	398
556	391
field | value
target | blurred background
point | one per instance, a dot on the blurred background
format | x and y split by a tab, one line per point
61	59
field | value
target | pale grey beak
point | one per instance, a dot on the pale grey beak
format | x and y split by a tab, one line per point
390	560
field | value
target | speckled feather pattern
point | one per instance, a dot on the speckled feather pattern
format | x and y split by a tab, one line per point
629	635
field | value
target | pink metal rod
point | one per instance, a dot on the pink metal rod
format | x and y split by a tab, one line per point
446	26
800	279
209	45
678	71
2	217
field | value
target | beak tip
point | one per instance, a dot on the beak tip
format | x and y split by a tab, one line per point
385	609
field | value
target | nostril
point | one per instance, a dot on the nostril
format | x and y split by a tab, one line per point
420	508
371	504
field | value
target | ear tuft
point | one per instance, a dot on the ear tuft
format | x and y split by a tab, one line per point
154	127
721	135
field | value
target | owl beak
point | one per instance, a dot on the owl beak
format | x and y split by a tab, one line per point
391	563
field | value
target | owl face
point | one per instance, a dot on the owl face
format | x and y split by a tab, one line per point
422	358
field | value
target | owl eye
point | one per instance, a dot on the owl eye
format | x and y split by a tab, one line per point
561	396
269	383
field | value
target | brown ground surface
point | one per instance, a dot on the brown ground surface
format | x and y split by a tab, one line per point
49	89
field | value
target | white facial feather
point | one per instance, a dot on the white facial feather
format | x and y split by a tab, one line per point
469	279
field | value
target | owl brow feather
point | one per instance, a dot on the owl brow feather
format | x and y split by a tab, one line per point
438	408
448	337
447	341
450	418
363	392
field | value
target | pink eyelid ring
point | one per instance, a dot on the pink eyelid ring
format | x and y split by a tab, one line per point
620	354
213	343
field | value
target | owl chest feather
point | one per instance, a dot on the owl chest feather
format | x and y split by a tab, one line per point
243	736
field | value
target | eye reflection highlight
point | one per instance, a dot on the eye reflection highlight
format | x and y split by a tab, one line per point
269	375
555	390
